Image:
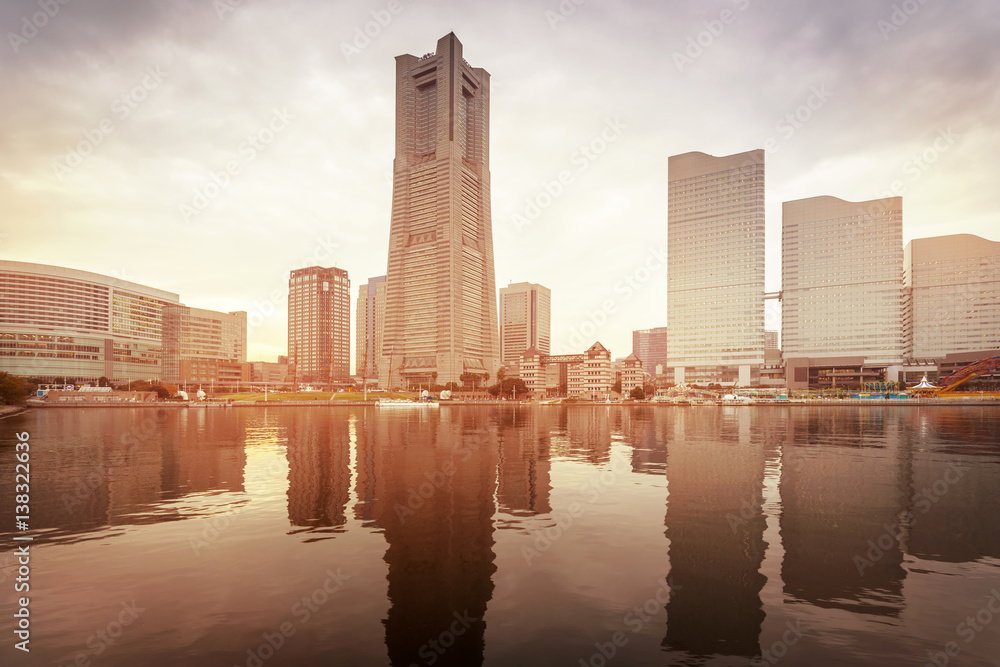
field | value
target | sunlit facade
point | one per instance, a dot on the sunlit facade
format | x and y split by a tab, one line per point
319	325
369	323
441	304
952	295
715	274
204	345
525	321
58	323
842	280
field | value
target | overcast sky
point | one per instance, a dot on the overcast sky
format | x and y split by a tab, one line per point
116	115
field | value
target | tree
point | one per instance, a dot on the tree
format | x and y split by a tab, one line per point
509	387
637	394
103	382
617	387
13	390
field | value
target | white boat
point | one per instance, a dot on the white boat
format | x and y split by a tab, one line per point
404	403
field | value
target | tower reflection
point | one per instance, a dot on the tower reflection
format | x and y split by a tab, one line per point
716	527
433	478
844	484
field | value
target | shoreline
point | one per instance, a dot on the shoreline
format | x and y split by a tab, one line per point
11	410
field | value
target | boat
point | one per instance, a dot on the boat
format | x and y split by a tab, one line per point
405	403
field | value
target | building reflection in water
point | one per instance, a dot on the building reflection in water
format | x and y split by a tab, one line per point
954	519
319	475
644	429
715	525
428	479
93	469
844	489
588	429
524	468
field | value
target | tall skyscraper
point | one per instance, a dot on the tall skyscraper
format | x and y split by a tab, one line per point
441	309
369	322
319	325
525	321
650	345
715	267
842	280
952	298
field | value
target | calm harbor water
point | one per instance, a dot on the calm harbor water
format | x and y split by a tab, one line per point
576	535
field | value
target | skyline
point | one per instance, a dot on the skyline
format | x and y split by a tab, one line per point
189	92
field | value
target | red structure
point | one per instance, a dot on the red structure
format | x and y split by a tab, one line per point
970	372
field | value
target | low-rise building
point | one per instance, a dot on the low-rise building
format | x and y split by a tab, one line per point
593	377
633	374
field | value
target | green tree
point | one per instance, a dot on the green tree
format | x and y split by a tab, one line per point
617	387
637	394
13	390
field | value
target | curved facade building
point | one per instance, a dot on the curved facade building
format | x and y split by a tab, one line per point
60	323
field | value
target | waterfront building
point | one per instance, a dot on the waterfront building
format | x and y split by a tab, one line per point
650	345
58	323
842	289
319	321
952	296
369	324
204	345
441	308
592	376
525	321
633	374
715	272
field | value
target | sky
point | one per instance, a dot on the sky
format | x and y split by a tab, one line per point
209	148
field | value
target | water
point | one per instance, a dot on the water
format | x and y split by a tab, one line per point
577	535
